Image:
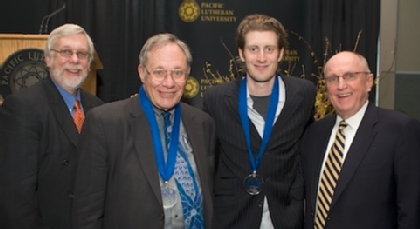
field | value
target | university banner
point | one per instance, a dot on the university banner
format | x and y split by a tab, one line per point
208	27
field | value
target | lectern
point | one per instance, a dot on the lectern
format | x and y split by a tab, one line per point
22	60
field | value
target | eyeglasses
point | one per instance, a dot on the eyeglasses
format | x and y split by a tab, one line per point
68	53
348	77
178	75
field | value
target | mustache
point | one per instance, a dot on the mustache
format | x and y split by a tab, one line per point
73	66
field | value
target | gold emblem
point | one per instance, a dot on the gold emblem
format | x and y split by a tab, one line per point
191	87
189	10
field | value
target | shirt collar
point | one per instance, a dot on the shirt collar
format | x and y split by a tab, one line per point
354	121
68	98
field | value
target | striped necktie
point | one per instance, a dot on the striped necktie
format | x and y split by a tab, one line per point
78	116
330	176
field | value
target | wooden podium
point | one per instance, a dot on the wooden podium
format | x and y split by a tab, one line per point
11	43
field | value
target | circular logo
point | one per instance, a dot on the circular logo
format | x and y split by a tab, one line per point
21	70
191	87
189	11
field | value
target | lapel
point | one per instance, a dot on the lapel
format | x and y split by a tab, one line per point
143	143
291	105
361	143
60	111
232	98
193	126
87	104
317	153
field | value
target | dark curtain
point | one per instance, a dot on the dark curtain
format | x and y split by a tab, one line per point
120	28
344	23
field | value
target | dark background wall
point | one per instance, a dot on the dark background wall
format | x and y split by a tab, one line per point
119	29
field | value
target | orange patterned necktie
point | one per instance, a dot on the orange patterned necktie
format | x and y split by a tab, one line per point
78	116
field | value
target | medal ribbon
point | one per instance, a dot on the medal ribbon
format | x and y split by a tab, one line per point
269	121
166	170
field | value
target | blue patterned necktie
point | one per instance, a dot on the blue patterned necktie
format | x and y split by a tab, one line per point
186	183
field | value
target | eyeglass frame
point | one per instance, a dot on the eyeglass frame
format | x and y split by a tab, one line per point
162	78
69	53
348	77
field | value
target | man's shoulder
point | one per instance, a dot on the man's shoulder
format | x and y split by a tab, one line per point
114	108
220	89
393	116
94	100
189	109
299	82
35	94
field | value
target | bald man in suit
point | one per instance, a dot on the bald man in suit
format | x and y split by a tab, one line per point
378	185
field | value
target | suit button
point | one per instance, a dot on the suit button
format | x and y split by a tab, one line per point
71	195
162	217
65	161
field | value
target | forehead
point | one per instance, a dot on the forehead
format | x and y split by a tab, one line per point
343	62
76	41
260	38
167	56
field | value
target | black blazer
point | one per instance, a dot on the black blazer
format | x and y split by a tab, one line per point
38	156
234	208
379	184
117	184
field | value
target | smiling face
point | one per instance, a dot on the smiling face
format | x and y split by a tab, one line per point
261	55
69	72
167	93
348	97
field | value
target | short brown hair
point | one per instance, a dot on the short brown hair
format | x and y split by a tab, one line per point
261	22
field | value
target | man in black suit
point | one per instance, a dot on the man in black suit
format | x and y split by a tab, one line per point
130	173
259	120
39	136
377	174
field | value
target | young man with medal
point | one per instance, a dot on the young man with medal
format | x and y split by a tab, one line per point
148	161
260	118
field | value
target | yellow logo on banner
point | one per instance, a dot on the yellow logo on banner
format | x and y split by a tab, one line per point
191	87
189	11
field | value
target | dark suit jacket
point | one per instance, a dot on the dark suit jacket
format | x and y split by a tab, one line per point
379	184
117	184
38	156
234	208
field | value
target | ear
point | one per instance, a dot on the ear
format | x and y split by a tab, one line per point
241	55
369	81
281	53
188	71
48	61
142	73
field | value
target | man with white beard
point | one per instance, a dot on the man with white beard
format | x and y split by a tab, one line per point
39	132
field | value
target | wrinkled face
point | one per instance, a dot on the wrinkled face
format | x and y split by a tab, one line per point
69	71
348	96
261	55
166	93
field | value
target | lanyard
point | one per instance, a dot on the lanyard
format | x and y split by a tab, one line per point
165	170
269	120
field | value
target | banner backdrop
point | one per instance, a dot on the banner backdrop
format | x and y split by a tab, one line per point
208	27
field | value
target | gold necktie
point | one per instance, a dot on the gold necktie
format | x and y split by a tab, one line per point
330	176
78	116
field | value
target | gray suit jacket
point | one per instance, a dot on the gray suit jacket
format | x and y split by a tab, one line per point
379	183
38	157
234	208
117	184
